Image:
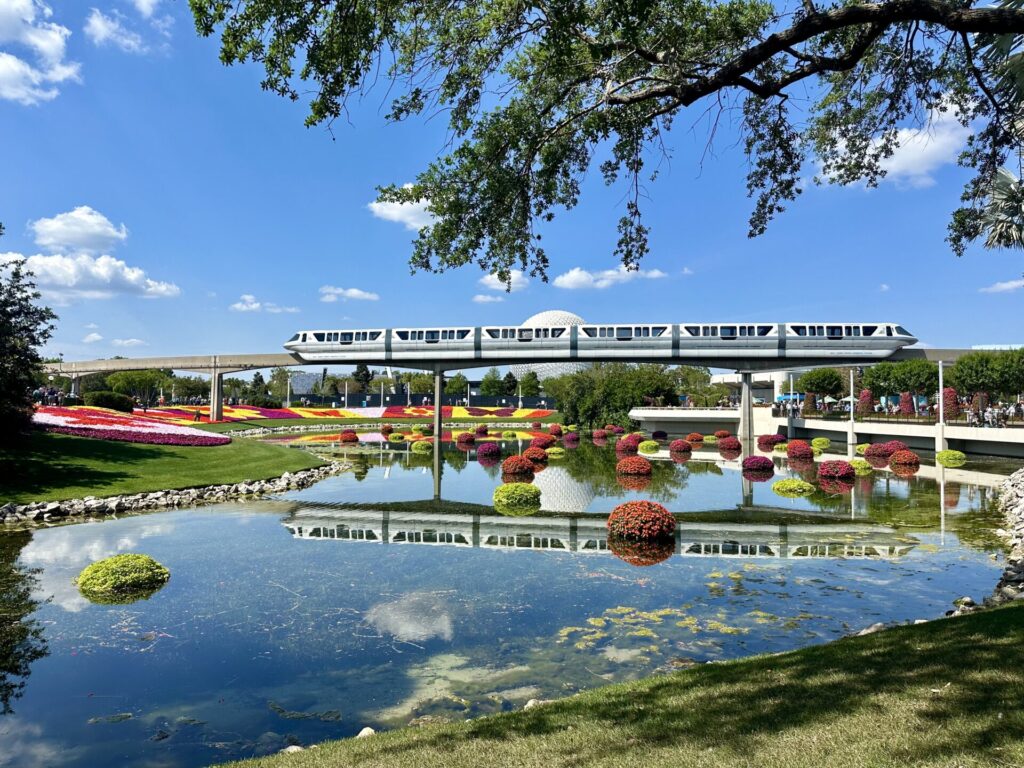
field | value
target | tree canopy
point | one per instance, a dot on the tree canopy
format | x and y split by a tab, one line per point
821	381
538	93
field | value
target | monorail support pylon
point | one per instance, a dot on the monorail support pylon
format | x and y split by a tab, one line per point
746	428
438	423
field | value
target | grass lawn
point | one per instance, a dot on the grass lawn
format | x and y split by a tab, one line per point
235	426
52	467
946	693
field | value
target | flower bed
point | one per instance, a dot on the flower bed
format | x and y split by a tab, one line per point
633	465
679	446
759	464
729	444
799	449
792	488
488	450
103	424
536	455
641	520
885	450
835	470
517	465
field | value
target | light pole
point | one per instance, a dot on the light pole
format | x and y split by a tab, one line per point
520	396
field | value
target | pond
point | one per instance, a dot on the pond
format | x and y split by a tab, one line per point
363	601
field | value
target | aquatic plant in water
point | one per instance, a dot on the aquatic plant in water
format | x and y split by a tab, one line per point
792	488
122	579
488	450
951	458
516	499
536	455
861	467
555	452
758	464
904	458
422	446
799	449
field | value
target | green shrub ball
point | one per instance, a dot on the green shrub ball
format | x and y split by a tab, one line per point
508	434
792	488
122	579
862	448
861	467
710	439
422	446
781	448
951	458
821	443
516	499
649	446
555	452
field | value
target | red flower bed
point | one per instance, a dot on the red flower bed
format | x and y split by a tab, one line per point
535	456
150	438
836	470
641	520
536	425
103	424
835	486
659	434
555	429
634	483
679	446
348	436
768	442
904	458
633	465
694	438
481	429
759	464
491	450
543	441
517	465
599	434
618	430
641	553
723	433
729	444
799	449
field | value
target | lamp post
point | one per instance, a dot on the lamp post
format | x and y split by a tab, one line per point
520	396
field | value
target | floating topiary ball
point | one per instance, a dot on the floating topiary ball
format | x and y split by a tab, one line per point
422	446
799	449
509	434
781	448
792	488
723	433
659	434
710	440
861	448
861	467
571	437
555	429
517	465
348	436
730	444
758	464
679	446
951	458
904	458
386	429
641	553
481	429
555	452
516	499
122	579
836	470
694	437
649	446
396	437
633	465
768	442
543	441
641	520
466	438
488	450
535	455
821	443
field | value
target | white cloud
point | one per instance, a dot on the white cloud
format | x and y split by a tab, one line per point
883	287
484	298
103	30
91	326
1004	287
578	278
518	282
63	279
25	26
248	303
330	293
687	271
82	230
146	8
414	216
922	152
92	338
128	343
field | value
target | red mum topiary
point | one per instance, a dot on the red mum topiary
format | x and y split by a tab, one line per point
885	450
633	465
768	442
729	444
555	429
641	553
618	430
680	446
535	456
536	425
481	429
465	438
386	429
599	434
865	403
641	520
723	433
517	465
950	404
906	403
634	483
492	450
904	459
659	434
799	449
758	464
348	436
542	442
518	477
571	437
695	437
835	470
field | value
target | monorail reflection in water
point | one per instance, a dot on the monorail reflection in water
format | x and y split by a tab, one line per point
586	534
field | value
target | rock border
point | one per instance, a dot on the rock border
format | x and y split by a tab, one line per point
92	506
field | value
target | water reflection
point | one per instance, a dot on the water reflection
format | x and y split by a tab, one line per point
21	634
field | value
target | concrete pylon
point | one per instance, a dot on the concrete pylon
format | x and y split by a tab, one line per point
75	386
438	424
746	429
216	395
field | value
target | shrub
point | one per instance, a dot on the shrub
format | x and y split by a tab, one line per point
799	449
555	452
555	429
517	465
422	446
427	431
865	403
680	446
112	400
951	458
348	436
792	488
642	520
816	450
821	443
535	455
885	450
633	465
70	401
758	464
641	553
386	429
599	434
810	406
542	442
396	437
122	579
695	437
904	459
659	434
950	403
730	444
710	440
465	438
481	430
610	427
835	470
488	450
768	442
781	448
572	428
862	448
264	402
861	467
649	446
906	403
723	433
508	434
516	499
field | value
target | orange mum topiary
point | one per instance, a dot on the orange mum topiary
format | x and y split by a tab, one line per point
535	455
723	433
517	465
695	437
904	458
633	465
641	520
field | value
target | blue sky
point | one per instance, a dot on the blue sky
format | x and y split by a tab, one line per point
169	206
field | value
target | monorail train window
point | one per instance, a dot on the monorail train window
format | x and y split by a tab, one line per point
800	330
526	334
346	338
433	336
591	332
541	333
869	330
374	335
834	331
902	331
764	330
693	330
728	331
658	330
318	336
293	338
403	335
303	339
623	333
888	330
556	332
463	334
710	330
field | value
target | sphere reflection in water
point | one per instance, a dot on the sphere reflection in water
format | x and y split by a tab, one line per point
559	492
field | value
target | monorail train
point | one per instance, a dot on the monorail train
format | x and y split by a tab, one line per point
592	341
